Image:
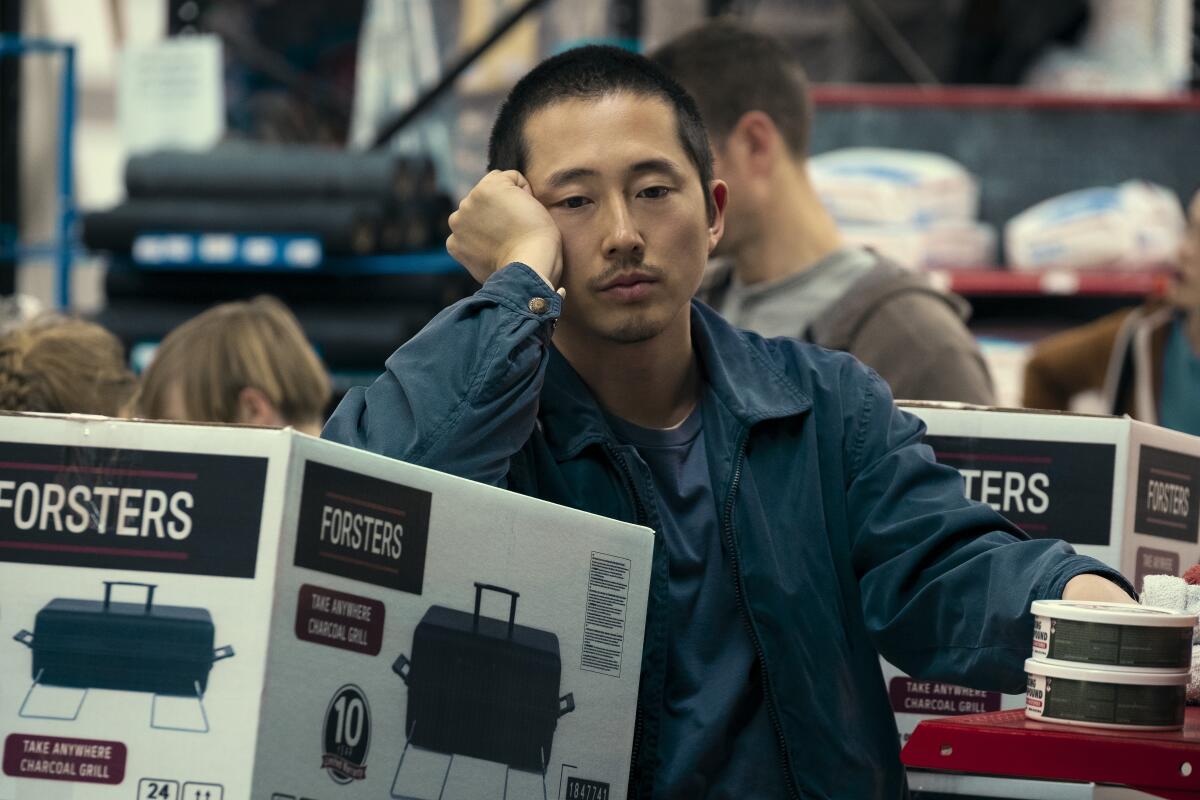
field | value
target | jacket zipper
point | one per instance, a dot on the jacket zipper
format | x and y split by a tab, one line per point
640	517
727	531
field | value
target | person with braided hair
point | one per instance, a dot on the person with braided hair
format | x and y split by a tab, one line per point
64	365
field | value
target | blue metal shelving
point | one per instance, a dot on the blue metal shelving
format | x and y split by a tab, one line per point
62	248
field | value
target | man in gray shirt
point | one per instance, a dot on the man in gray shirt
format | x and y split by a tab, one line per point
785	270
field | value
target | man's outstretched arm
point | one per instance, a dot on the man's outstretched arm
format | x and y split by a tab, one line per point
946	582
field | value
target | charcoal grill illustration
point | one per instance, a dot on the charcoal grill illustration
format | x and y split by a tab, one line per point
132	647
484	688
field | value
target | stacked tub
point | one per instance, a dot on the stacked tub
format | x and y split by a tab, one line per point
1109	665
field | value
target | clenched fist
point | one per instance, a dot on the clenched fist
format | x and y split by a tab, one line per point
500	221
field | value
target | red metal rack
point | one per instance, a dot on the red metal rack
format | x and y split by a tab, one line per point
849	94
1005	743
1058	282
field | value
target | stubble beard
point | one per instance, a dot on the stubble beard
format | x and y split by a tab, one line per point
636	326
634	331
629	326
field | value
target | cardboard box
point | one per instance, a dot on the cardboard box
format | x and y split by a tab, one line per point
1122	491
1119	490
322	623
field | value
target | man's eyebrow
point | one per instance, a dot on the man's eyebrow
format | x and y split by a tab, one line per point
657	165
565	176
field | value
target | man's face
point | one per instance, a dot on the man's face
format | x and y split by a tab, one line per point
628	201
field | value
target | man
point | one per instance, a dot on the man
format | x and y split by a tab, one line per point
786	271
800	523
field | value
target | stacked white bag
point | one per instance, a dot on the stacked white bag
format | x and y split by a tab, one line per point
1135	224
916	208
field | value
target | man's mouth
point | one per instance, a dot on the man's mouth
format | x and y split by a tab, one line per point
629	286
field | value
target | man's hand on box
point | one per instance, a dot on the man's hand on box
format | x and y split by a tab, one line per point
1095	588
500	221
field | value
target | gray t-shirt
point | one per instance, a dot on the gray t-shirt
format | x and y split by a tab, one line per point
787	307
892	320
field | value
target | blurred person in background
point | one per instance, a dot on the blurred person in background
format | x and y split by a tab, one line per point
241	362
64	365
1144	361
786	270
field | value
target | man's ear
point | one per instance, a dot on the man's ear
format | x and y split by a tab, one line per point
719	191
757	140
255	408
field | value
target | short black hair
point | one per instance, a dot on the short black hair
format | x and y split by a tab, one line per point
730	69
593	72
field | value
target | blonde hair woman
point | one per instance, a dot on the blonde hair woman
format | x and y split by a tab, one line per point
246	362
64	365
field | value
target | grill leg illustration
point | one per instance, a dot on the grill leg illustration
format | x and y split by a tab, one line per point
507	769
37	682
400	766
203	714
446	774
218	654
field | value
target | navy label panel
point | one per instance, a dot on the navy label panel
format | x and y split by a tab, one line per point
146	510
363	528
1168	495
1053	490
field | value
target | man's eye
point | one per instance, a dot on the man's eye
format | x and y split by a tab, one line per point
654	192
575	202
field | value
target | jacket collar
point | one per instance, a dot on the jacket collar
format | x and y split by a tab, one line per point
737	367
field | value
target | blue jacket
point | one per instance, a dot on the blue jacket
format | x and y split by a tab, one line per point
846	538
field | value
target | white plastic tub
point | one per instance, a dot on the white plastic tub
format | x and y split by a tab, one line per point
1104	698
1111	636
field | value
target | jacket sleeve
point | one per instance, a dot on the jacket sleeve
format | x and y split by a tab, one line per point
462	395
1071	362
946	583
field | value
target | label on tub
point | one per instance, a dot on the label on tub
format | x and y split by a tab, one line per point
1108	704
912	696
1113	645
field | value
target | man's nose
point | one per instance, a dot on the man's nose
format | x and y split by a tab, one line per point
622	239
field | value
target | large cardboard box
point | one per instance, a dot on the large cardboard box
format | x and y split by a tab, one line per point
1122	491
305	621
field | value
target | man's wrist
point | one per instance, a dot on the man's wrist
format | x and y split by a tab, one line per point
1092	587
541	254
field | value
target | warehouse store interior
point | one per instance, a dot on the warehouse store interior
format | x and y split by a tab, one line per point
277	269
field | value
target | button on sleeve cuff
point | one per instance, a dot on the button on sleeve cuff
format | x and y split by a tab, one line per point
517	287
